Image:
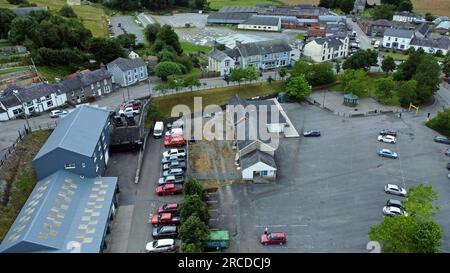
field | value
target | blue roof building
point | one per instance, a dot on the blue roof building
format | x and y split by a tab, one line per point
64	213
80	144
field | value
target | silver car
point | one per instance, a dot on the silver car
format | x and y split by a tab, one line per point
162	245
393	211
394	189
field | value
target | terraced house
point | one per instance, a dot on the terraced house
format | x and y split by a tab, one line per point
127	72
327	48
263	55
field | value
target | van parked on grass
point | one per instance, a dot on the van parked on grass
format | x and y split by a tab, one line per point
158	129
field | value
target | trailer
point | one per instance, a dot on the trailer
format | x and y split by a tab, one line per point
218	239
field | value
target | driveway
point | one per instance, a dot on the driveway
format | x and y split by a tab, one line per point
329	190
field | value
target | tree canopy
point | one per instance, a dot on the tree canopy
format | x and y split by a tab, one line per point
297	87
315	74
362	59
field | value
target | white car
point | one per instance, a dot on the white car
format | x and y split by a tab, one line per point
175	152
163	245
393	211
129	111
394	189
175	131
387	139
57	113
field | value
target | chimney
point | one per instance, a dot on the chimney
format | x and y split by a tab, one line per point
238	43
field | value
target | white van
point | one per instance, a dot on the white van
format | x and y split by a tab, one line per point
377	44
158	129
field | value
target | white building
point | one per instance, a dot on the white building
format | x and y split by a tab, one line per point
263	23
35	98
397	39
258	164
432	45
127	72
408	17
220	61
327	48
133	55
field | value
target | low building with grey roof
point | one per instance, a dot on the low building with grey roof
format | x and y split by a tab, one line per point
432	46
262	23
79	144
126	72
226	18
397	39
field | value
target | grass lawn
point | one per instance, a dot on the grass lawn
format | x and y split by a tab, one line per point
190	47
18	173
217	4
395	56
50	72
218	96
93	16
13	70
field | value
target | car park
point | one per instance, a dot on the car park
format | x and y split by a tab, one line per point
393	211
388	153
442	139
389	132
311	133
171	179
271	238
174	171
162	245
170	188
387	139
395	190
168	207
165	232
395	203
166	218
58	113
175	152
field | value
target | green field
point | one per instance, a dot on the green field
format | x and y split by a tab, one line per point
13	70
218	96
189	47
217	4
93	16
49	73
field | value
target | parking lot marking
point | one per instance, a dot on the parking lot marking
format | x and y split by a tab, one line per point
280	226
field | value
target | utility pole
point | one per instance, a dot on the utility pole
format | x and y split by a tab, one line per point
15	92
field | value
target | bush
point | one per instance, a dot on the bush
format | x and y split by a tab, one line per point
441	123
194	205
166	69
192	186
194	231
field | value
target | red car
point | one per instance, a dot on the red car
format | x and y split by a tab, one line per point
175	141
168	207
273	238
166	218
169	189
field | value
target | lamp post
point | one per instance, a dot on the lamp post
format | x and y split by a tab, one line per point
15	92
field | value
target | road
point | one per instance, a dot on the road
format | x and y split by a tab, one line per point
145	19
364	41
128	25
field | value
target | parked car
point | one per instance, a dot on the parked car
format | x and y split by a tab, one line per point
354	19
176	152
387	139
389	132
165	232
162	245
58	113
448	176
131	121
395	203
442	139
174	171
174	179
447	152
175	132
118	122
171	188
448	166
388	153
176	141
311	133
174	164
394	189
158	129
166	218
168	207
273	238
166	160
129	111
393	211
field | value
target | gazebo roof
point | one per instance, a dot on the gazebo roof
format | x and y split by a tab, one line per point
350	96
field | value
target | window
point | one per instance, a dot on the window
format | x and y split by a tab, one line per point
101	156
264	173
389	38
96	168
48	97
227	63
92	86
98	84
99	147
31	109
69	166
83	165
105	82
17	111
95	158
49	103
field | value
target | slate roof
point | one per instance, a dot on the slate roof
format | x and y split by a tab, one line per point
217	55
256	156
400	33
127	64
27	94
422	28
26	11
227	18
239	9
233	53
78	132
408	14
62	208
444	25
382	23
441	43
263	20
333	41
263	47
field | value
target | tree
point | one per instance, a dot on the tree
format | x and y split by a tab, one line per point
6	17
238	75
441	122
269	79
192	186
165	69
337	66
429	17
194	205
194	231
355	81
105	50
427	238
362	59
191	248
406	92
384	88
191	81
325	4
384	12
151	31
388	64
251	73
23	28
394	234
446	65
346	5
127	40
315	74
405	5
421	202
427	78
67	11
297	87
169	37
282	73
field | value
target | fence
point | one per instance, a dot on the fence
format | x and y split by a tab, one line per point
23	132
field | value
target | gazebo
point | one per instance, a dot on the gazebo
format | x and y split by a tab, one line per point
350	99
